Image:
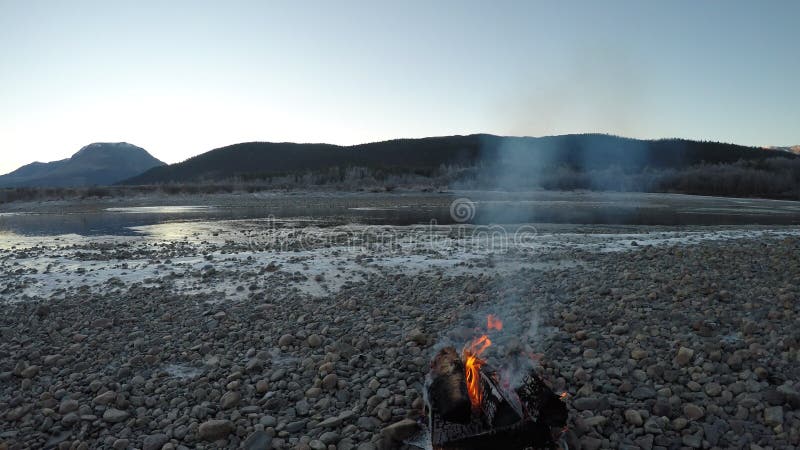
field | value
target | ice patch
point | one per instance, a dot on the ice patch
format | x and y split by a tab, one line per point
170	209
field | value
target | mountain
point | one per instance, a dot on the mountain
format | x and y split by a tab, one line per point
101	163
791	149
426	155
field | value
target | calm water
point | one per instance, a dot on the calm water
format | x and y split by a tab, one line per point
404	209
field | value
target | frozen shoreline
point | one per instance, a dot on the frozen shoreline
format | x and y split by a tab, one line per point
315	261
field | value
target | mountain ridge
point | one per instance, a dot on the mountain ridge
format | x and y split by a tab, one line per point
795	149
424	155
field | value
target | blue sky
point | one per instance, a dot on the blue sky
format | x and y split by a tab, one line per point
182	77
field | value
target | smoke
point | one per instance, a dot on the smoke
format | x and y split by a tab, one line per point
572	162
601	89
599	93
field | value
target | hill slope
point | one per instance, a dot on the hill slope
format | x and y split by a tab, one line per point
580	152
95	164
791	149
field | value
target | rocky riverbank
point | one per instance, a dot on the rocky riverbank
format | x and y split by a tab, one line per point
661	341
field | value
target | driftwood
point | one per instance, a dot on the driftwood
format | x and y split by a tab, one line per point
448	389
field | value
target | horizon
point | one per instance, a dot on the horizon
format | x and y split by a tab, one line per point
197	76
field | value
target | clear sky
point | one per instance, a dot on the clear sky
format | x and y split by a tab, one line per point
182	77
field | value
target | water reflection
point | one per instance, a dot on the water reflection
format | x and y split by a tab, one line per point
407	209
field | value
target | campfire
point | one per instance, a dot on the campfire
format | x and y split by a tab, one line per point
472	405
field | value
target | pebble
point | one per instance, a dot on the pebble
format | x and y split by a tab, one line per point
154	442
216	429
331	422
713	389
585	403
68	406
633	417
29	372
286	340
230	400
330	381
692	440
114	415
773	416
329	437
314	341
258	440
643	393
105	398
684	356
294	427
692	411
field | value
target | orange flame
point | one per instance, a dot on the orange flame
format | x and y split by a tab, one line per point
478	345
472	365
563	395
493	322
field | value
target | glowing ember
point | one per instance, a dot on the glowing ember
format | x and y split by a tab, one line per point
493	323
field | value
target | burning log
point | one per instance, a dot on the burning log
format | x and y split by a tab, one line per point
448	388
494	415
500	408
